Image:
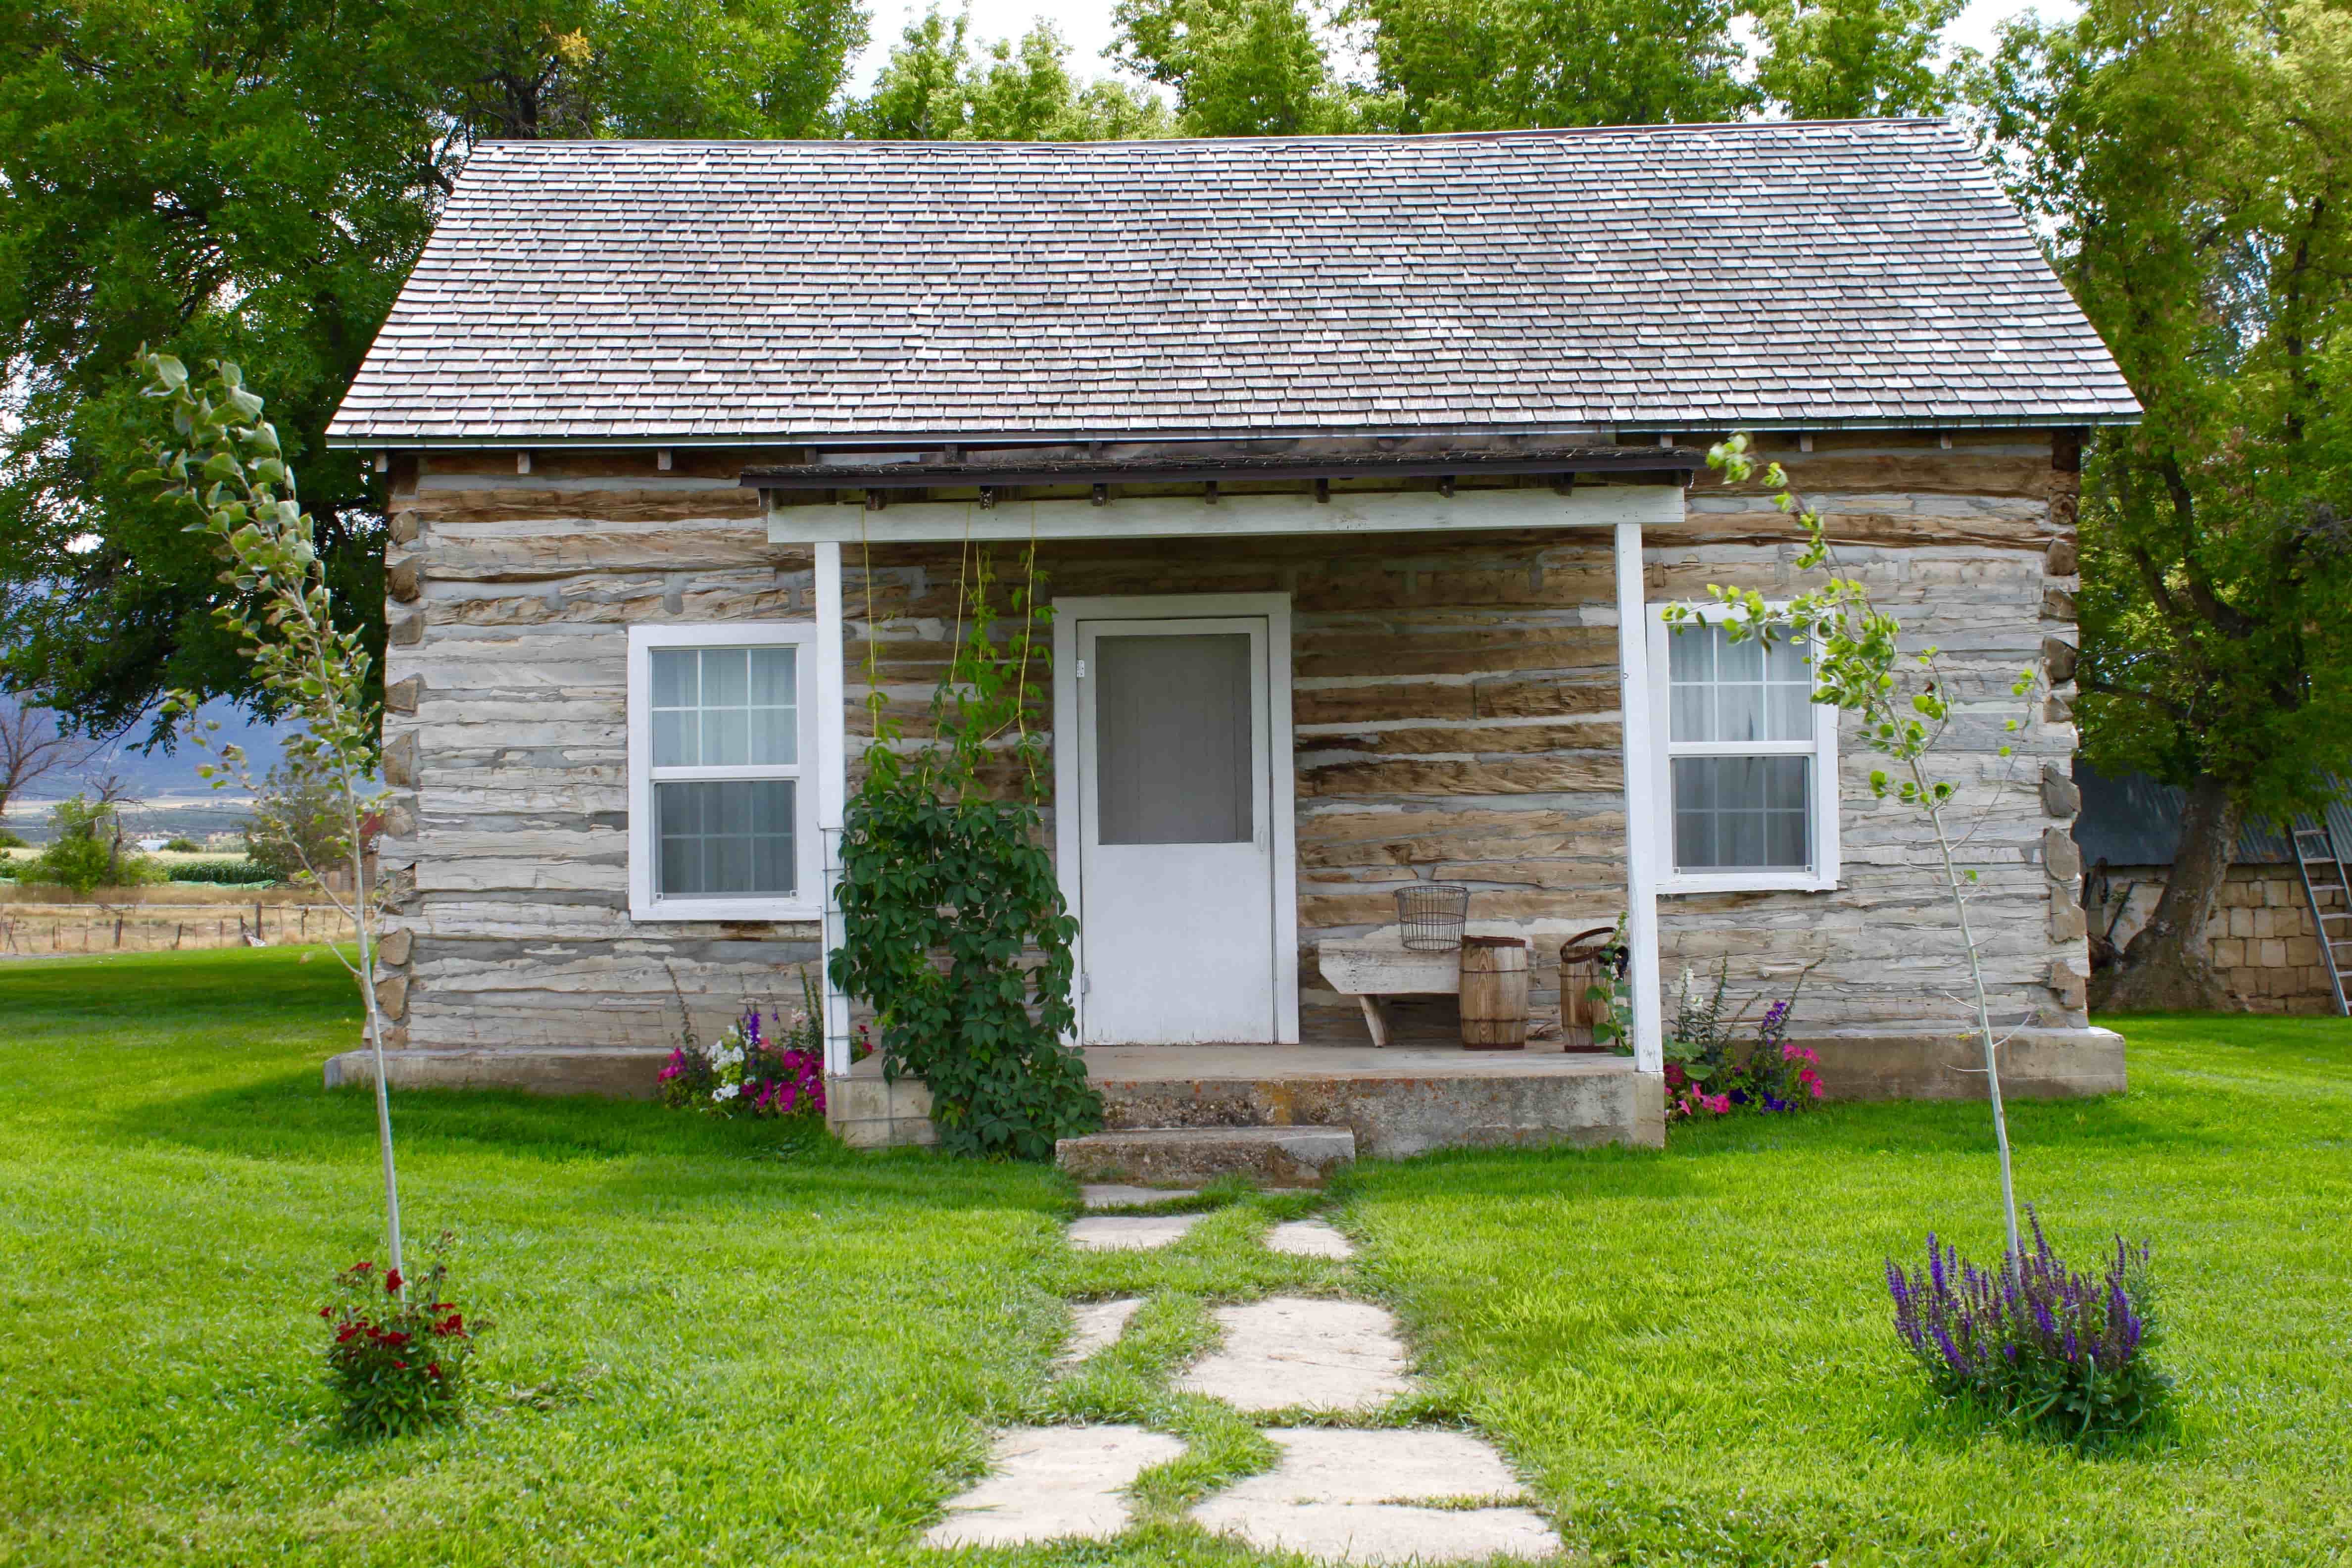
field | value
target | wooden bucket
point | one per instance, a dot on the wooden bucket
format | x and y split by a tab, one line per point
1494	994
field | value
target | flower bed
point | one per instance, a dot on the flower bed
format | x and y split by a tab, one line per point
764	1064
398	1349
1710	1072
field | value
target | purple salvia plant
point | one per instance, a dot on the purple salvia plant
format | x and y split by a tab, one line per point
2037	1340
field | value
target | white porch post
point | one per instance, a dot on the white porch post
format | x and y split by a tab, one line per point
832	791
1642	804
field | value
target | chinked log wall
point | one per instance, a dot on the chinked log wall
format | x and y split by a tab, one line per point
1455	703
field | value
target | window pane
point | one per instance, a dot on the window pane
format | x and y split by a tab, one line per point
776	710
674	742
1724	691
726	737
731	837
1172	739
674	676
1743	814
726	682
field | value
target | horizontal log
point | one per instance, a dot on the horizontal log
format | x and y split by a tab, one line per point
589	505
1477	739
1452	650
1570	772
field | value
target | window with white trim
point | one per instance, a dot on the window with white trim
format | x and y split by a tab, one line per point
1747	760
722	807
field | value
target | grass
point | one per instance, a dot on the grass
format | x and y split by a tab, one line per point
713	1349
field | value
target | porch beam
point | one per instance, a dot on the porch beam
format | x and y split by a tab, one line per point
831	795
1234	516
1642	809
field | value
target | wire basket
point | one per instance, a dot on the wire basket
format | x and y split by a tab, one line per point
1431	915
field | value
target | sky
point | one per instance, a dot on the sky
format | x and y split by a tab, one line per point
1086	25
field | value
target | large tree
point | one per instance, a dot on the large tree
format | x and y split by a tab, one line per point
250	180
2193	166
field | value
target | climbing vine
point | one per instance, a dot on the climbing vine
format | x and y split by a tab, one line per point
953	923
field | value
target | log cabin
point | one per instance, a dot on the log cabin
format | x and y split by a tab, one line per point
1357	472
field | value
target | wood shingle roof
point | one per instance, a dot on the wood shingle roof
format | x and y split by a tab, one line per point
1654	278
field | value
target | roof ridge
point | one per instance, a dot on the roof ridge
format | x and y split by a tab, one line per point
1525	132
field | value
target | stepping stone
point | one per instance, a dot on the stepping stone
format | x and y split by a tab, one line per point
1046	1483
1113	1195
1116	1233
1367	1497
1098	1324
1295	1352
1309	1238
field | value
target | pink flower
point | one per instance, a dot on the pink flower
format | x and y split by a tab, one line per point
1816	1087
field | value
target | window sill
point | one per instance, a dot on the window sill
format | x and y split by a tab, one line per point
680	910
1748	882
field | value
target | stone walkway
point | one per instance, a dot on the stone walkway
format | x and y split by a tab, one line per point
1374	1496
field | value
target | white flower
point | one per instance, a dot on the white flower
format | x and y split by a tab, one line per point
727	1091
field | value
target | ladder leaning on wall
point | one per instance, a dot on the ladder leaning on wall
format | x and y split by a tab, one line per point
2329	895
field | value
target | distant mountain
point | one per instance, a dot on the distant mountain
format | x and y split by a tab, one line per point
162	775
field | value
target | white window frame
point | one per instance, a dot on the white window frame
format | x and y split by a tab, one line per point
1823	748
807	903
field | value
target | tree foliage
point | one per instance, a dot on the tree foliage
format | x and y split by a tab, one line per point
1240	67
1856	59
940	84
2193	165
1490	65
251	181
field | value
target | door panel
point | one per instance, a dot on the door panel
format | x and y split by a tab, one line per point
1177	869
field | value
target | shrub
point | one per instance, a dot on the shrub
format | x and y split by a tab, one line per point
85	850
2053	1349
235	872
300	823
396	1360
751	1072
10	840
184	845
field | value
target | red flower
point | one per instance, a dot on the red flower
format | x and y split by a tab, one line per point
392	1283
432	1369
326	1311
400	1366
394	1338
454	1324
362	1267
347	1333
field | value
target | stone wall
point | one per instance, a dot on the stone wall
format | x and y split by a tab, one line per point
2262	940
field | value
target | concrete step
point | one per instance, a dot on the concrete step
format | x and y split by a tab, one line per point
1188	1156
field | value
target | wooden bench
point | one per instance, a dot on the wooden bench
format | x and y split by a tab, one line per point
1371	971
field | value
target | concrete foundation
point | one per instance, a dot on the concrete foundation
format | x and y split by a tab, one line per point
617	1072
2035	1064
1177	1156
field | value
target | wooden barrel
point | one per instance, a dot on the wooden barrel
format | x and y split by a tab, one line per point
1584	967
1494	994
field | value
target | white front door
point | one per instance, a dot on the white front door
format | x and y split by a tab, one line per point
1177	830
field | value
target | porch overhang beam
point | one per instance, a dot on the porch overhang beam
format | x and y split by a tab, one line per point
1234	516
1667	465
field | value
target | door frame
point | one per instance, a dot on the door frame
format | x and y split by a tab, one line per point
1281	765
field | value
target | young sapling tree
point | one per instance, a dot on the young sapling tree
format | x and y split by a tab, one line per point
1905	706
227	464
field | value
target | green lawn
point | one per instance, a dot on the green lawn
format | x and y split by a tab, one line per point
742	1356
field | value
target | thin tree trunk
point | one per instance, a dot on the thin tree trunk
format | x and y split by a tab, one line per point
2165	968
